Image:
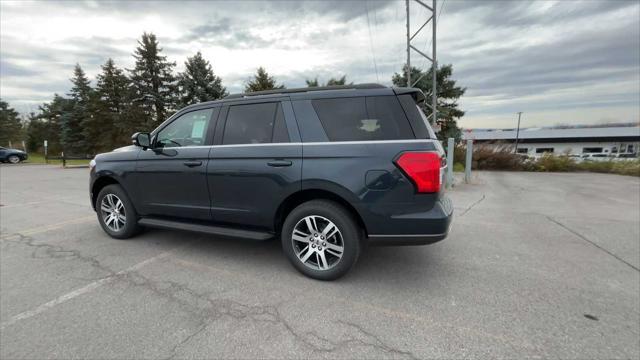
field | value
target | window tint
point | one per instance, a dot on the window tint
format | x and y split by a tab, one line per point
359	119
425	121
255	124
419	123
280	133
189	129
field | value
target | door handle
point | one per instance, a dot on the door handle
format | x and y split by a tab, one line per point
279	163
192	163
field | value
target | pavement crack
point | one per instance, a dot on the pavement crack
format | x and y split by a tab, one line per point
48	251
591	242
376	343
208	310
473	205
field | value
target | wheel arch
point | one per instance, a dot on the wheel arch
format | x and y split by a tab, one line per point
99	184
302	196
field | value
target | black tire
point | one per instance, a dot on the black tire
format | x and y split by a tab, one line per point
131	226
14	159
351	236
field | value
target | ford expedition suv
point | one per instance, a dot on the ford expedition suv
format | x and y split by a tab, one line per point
327	170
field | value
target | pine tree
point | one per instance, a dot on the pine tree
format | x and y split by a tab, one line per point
10	125
312	83
198	83
112	107
77	123
36	132
262	81
331	82
448	94
339	81
52	115
153	81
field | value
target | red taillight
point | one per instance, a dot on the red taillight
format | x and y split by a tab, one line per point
423	168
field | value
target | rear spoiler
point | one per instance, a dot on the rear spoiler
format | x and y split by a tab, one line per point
416	93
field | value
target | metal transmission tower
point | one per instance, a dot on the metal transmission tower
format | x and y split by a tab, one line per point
432	58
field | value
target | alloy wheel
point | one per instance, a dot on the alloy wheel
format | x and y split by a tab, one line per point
113	213
317	242
14	159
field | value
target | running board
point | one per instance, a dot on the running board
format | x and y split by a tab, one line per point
204	228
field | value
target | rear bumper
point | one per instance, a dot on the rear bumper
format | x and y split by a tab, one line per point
426	227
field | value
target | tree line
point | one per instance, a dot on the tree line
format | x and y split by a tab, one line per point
92	119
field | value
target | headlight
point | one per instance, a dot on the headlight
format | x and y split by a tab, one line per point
92	164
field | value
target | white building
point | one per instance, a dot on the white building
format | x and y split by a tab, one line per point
611	140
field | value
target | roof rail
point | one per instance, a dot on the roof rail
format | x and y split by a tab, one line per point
307	89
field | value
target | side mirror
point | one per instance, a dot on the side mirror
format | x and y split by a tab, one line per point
141	139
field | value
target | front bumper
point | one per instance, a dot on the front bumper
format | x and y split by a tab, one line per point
426	227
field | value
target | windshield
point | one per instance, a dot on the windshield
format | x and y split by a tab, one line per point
432	134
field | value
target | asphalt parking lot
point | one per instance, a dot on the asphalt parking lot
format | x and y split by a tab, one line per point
537	265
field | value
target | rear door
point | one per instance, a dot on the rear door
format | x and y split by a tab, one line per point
256	162
171	178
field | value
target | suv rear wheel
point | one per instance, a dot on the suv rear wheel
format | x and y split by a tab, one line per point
116	213
321	239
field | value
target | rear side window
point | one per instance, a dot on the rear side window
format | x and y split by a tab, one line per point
360	118
417	118
255	124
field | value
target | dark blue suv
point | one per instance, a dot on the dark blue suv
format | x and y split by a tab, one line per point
325	169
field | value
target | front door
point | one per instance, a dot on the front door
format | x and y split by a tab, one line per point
171	177
255	164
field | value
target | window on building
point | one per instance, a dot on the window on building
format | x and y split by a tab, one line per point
523	150
360	119
255	124
614	150
630	148
591	150
544	150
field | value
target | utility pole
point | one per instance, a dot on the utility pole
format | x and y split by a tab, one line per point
434	65
517	132
408	46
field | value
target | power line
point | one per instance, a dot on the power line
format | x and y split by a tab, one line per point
373	54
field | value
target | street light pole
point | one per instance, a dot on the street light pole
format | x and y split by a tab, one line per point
517	132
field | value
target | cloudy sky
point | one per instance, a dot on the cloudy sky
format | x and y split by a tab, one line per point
560	62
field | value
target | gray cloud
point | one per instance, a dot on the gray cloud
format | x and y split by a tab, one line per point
9	69
511	55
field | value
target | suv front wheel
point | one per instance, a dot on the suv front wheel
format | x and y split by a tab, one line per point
321	239
116	214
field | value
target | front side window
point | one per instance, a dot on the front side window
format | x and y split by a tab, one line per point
189	129
255	124
361	119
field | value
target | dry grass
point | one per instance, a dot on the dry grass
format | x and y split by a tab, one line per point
503	158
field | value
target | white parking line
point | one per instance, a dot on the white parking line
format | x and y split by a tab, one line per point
45	228
83	290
